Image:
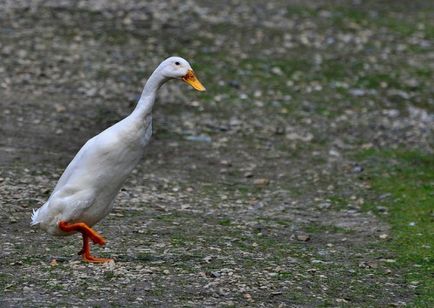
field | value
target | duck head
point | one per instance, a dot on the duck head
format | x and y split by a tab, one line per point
179	68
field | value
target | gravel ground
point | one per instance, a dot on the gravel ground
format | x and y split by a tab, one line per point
295	90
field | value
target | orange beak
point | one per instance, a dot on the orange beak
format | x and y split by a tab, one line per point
192	80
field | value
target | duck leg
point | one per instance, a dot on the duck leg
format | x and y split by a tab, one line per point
85	252
88	233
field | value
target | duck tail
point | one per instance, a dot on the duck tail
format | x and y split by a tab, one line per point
35	217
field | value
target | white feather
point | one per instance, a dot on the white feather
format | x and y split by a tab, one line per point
35	217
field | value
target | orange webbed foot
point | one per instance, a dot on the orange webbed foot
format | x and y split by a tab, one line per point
88	233
92	259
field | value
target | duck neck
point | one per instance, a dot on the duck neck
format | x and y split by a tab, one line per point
147	99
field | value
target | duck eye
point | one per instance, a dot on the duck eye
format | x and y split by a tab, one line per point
177	63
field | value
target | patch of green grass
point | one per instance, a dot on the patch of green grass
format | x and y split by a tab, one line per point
396	25
4	280
338	203
301	11
109	275
225	222
316	229
285	275
424	72
374	80
342	15
167	217
179	240
400	25
409	178
334	69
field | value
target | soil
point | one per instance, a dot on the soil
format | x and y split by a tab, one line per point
249	194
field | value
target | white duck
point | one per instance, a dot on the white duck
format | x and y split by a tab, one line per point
86	190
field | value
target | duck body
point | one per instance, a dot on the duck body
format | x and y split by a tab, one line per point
87	188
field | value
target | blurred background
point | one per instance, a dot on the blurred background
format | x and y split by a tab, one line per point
301	177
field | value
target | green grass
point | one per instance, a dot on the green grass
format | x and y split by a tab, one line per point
374	80
319	229
409	178
225	222
400	25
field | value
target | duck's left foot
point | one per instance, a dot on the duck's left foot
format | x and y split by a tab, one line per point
88	234
92	259
85	253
